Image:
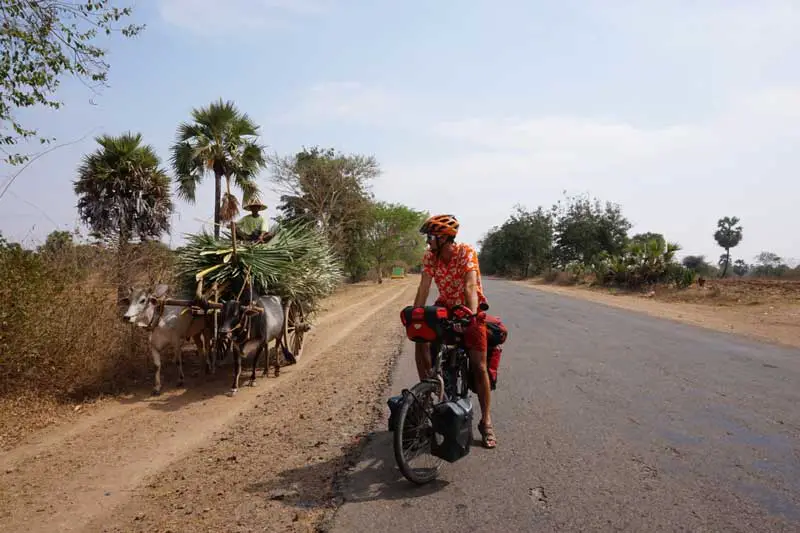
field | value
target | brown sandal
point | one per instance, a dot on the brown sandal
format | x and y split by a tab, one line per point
488	439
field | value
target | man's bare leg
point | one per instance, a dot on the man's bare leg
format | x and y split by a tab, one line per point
422	354
477	361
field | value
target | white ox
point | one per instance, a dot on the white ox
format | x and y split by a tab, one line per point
169	325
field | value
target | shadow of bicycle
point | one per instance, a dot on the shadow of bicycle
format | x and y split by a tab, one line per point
375	476
361	473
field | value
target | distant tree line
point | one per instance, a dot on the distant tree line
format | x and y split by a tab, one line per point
580	236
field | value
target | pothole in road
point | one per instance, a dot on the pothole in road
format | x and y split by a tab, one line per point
538	497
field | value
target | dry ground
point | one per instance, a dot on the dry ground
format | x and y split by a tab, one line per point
196	460
767	310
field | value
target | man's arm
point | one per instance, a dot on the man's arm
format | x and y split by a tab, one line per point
263	231
471	291
423	290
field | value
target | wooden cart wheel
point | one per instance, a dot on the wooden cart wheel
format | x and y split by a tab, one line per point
294	329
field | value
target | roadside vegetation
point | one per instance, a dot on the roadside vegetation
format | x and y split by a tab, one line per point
62	337
62	334
581	240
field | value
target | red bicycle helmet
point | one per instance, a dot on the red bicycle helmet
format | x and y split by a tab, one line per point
440	226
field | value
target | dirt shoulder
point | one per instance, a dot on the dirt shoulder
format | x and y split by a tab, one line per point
763	310
197	460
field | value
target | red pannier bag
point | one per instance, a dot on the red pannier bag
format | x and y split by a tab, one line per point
424	324
493	363
496	334
496	331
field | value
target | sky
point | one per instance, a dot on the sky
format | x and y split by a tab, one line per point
674	109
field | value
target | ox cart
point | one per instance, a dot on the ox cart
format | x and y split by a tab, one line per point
294	325
259	293
232	333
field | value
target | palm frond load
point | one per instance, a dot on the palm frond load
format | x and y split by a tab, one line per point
297	263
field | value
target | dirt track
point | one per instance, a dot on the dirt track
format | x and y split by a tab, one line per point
197	460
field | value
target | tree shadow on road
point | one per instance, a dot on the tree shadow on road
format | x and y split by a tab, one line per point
365	471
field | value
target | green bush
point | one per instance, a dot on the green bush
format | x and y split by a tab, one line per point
643	262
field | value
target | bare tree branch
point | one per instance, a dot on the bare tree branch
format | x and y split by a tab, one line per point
33	158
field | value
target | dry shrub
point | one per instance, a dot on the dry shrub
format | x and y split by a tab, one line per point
737	292
565	278
550	276
62	332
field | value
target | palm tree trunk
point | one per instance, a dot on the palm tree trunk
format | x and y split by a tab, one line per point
233	222
727	261
217	198
122	251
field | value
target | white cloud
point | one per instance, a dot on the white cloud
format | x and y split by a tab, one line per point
218	16
736	156
677	179
564	138
346	101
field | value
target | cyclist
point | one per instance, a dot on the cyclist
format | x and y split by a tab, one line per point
454	267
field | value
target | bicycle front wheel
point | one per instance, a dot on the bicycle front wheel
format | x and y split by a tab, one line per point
413	434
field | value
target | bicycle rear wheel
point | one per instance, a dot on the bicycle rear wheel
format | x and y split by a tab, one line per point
413	434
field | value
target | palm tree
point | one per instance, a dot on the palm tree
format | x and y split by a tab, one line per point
121	190
123	193
728	235
222	140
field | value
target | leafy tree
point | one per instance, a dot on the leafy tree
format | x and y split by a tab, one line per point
6	246
769	264
697	263
40	42
123	193
355	258
393	234
490	252
740	268
57	241
331	190
584	229
222	140
643	238
768	259
728	235
521	246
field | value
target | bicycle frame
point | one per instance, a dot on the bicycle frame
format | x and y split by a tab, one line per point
445	364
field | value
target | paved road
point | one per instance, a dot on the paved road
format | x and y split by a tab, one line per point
607	420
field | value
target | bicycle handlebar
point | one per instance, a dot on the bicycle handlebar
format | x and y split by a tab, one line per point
464	321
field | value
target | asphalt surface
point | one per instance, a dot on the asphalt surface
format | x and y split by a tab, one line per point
606	420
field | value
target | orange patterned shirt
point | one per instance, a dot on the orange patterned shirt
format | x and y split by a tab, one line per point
450	277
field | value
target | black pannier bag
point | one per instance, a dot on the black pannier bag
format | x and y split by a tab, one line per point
394	403
452	429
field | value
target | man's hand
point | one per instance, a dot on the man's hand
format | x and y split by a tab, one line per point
264	237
